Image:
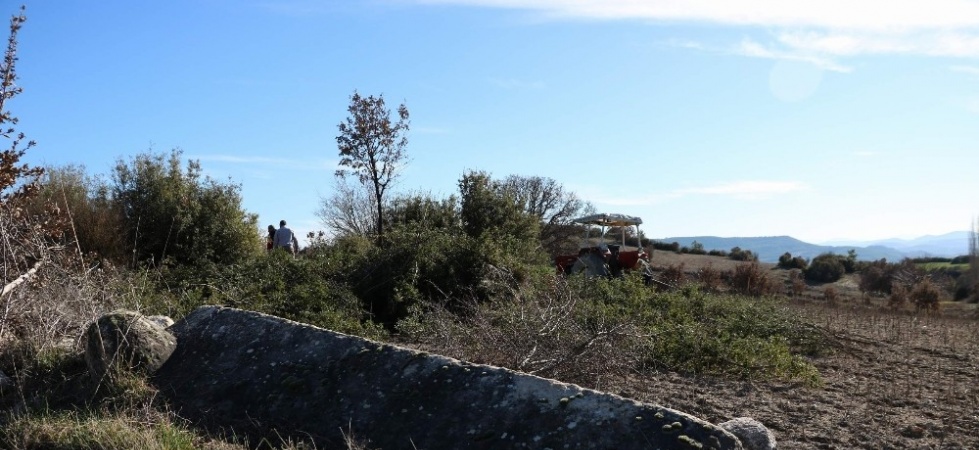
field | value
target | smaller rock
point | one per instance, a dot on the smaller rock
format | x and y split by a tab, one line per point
126	340
752	434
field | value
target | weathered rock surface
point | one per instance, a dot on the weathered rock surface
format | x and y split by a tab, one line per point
263	376
126	340
753	435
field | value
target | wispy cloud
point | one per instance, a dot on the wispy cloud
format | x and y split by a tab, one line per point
750	48
814	32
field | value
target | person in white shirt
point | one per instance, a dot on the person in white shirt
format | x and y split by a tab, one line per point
284	238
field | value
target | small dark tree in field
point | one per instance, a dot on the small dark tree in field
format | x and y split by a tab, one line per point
876	277
850	262
372	147
739	254
825	268
786	261
696	248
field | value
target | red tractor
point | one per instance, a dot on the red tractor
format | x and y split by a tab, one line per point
601	255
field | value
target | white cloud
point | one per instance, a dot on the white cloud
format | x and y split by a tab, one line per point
813	32
750	48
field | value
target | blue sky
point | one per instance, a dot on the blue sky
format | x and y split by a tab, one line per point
825	120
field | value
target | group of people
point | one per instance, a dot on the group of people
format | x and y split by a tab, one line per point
283	238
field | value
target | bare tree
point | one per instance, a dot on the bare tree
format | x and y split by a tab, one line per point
554	207
372	147
349	210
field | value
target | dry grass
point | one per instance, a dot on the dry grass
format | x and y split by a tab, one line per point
897	378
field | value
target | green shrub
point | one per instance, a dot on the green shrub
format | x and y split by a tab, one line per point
169	213
581	330
825	268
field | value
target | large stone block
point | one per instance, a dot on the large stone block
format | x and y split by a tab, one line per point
263	376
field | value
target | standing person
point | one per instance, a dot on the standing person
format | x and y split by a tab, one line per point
270	239
283	237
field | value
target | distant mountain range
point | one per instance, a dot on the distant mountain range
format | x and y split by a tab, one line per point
770	248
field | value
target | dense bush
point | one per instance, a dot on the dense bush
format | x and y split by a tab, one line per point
876	277
738	254
825	268
786	261
488	208
172	213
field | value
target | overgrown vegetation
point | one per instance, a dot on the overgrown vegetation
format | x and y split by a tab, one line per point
469	276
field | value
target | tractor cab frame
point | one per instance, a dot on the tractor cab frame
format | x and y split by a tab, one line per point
602	255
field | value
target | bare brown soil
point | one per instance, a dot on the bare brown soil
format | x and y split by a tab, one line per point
895	379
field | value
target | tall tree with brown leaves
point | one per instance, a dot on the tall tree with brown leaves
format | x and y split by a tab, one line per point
372	147
16	179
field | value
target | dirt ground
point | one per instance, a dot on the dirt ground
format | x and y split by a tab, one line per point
895	380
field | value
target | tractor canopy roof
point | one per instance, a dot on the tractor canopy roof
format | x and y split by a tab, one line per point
609	220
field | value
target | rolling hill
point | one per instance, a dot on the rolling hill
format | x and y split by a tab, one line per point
769	248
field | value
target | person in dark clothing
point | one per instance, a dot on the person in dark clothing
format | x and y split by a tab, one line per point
270	239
